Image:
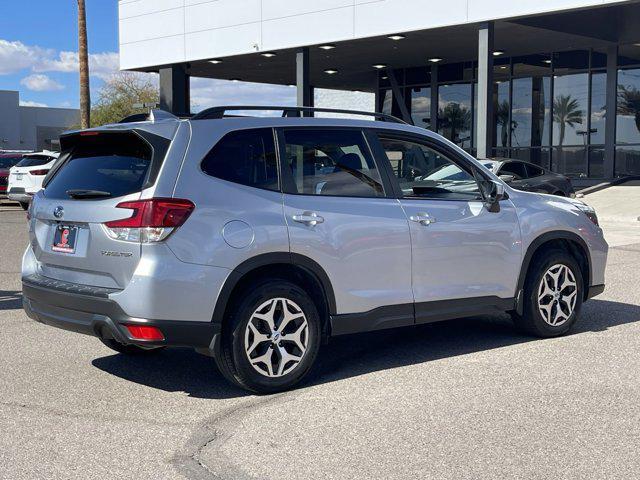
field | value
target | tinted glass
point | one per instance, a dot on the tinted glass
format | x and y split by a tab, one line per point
627	161
421	106
8	162
331	162
247	157
530	115
533	171
532	65
516	169
34	161
570	107
454	113
501	113
598	107
117	164
425	173
628	115
570	161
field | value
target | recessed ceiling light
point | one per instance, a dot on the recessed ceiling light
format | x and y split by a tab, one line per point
384	78
291	85
497	53
503	67
546	61
215	61
327	47
435	60
357	91
396	37
379	66
331	71
234	79
268	54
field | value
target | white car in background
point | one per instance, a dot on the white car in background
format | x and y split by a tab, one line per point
26	177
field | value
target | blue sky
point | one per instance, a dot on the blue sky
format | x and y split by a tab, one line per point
38	41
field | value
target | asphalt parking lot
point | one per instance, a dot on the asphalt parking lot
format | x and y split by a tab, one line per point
462	399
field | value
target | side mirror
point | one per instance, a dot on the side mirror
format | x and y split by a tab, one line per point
493	193
507	178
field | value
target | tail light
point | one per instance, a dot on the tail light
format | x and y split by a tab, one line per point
151	220
39	172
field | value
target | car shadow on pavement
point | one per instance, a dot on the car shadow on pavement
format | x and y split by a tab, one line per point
10	300
354	355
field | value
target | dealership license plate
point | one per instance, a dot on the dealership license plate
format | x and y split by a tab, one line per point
64	239
19	176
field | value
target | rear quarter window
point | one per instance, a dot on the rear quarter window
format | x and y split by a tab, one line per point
246	157
34	161
115	163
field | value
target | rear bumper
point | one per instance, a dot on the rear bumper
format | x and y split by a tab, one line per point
18	194
89	311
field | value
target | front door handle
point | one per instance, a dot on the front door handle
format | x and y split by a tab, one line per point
308	218
423	219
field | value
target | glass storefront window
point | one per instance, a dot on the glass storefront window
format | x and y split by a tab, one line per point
532	65
570	161
421	106
570	107
627	160
596	162
501	114
454	113
566	62
530	112
628	114
598	107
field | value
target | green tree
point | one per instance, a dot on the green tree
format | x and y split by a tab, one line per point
454	118
629	103
119	95
566	112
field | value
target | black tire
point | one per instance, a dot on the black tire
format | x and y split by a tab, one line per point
24	205
232	358
531	321
130	349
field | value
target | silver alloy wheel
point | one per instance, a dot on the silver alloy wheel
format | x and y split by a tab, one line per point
276	337
557	295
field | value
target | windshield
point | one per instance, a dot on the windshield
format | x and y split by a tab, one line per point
8	162
34	161
116	165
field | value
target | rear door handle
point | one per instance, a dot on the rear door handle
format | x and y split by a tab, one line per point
423	219
308	218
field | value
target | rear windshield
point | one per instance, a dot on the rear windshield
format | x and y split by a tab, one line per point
34	161
114	164
8	162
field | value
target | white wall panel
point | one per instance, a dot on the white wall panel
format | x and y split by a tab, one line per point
134	8
318	27
286	8
222	41
148	53
155	25
390	16
491	9
221	13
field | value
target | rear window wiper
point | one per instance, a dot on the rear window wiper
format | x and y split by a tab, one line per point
88	193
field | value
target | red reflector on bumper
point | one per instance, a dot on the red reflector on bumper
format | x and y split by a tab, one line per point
145	332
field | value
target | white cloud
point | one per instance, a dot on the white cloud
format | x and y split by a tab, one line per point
16	56
41	83
28	103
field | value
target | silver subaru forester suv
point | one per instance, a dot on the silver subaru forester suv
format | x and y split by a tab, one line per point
255	239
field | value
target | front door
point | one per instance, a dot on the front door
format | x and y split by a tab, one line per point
339	214
464	257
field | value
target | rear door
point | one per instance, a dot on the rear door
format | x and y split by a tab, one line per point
67	232
340	214
463	255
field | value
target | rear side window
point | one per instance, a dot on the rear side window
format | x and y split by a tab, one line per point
534	171
330	162
117	164
516	169
247	157
34	161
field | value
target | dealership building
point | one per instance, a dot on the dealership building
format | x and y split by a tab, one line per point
554	82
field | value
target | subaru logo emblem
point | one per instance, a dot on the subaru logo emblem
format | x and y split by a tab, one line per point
58	212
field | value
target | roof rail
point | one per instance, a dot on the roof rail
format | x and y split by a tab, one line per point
220	112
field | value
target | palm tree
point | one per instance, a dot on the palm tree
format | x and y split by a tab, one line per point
566	111
629	103
83	60
455	118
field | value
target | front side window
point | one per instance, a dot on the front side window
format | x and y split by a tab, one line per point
247	157
517	169
426	173
330	162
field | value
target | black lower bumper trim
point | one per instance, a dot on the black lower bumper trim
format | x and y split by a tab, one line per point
595	290
102	317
